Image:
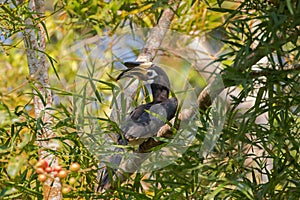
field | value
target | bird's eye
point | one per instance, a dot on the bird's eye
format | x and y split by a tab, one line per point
151	74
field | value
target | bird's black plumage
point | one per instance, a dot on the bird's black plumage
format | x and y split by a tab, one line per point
146	119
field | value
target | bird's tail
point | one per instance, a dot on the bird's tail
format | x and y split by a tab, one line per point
106	175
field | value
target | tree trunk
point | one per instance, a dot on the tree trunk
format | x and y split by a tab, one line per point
35	43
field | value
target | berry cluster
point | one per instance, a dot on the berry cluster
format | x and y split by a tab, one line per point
43	170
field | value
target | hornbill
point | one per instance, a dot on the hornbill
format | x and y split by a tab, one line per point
146	119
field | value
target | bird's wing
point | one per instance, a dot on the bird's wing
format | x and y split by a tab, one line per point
151	117
171	106
138	114
148	123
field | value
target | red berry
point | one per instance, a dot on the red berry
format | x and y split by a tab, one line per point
55	173
74	167
42	177
42	164
62	174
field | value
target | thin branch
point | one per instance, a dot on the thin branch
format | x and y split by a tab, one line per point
259	73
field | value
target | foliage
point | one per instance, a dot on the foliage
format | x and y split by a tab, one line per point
254	30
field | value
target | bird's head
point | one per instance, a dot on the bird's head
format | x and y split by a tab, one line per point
146	71
151	74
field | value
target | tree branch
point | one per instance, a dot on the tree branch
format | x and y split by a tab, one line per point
157	34
35	43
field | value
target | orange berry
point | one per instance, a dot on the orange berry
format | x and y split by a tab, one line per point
57	168
42	164
42	177
39	170
72	181
48	169
65	190
62	174
74	167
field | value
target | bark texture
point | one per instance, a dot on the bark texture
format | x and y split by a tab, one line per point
157	34
35	43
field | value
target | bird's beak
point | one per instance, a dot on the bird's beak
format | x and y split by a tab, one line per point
135	70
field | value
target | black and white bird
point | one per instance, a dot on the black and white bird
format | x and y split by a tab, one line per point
146	119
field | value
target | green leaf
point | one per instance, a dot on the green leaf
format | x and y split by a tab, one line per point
38	93
15	165
25	141
290	6
222	10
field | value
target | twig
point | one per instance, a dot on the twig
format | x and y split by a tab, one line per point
258	73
